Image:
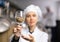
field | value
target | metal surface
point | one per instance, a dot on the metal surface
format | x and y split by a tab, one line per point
4	25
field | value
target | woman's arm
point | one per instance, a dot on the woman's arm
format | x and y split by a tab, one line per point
16	34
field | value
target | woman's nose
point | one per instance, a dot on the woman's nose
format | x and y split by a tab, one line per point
31	17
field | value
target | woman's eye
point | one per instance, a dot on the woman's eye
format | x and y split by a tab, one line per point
34	15
28	16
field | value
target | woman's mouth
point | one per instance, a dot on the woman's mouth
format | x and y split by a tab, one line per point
31	22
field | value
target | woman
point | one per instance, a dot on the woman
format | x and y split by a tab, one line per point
31	33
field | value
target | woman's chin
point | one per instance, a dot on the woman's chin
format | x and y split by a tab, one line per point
32	25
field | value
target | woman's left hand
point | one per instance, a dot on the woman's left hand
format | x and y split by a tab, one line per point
30	38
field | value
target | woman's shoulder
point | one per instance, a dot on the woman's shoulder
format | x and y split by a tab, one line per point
45	33
42	33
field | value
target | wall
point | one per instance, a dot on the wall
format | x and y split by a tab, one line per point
58	10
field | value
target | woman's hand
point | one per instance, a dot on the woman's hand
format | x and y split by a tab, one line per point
17	31
30	38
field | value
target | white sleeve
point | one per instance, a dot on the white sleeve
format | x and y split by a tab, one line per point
44	38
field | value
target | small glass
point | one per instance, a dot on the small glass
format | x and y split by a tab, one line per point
19	18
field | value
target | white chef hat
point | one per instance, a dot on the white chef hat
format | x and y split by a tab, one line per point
35	9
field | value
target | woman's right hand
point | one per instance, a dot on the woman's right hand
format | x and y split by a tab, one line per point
17	31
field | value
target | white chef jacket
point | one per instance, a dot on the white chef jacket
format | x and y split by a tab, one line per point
38	35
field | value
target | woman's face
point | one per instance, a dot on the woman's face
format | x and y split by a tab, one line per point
31	18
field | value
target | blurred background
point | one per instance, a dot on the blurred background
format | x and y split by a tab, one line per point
50	11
